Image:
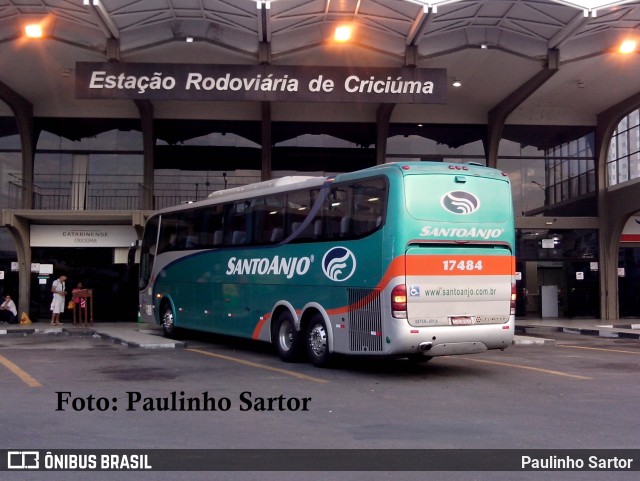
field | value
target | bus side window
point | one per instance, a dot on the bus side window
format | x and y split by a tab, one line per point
147	251
369	199
190	232
317	228
298	206
236	229
169	234
257	212
238	237
345	226
267	219
335	213
176	230
207	222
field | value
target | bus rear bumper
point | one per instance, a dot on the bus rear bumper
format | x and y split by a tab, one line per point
449	340
453	348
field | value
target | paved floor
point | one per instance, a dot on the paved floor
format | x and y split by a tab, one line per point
622	328
133	334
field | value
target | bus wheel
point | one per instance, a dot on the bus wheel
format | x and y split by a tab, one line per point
318	342
288	342
168	321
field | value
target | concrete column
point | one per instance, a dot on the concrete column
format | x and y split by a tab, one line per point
145	107
498	114
20	231
265	130
79	172
23	111
383	118
614	207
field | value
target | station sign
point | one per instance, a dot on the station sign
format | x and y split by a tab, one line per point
153	81
82	235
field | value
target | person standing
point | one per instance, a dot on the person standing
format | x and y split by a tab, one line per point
57	304
80	302
79	305
8	311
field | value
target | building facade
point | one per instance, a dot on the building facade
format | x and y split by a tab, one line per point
121	109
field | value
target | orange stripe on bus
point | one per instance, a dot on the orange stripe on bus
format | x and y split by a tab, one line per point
396	268
258	328
457	265
427	265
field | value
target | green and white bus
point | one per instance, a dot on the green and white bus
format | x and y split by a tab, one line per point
408	259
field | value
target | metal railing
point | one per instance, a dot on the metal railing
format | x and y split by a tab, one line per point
110	192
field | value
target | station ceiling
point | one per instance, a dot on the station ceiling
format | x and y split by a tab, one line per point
492	47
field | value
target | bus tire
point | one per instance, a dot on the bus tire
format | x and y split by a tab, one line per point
168	321
317	340
287	340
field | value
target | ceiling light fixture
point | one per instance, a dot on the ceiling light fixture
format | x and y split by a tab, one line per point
456	83
628	46
342	33
33	30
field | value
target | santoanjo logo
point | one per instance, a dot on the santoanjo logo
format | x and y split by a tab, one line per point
339	264
461	232
280	266
460	202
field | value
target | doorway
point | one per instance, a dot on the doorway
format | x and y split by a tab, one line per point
115	296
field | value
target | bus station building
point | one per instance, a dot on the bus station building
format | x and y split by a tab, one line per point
112	109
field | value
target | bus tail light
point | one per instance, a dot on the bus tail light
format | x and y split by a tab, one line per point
513	298
399	301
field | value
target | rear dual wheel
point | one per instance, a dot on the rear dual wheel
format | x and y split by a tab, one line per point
290	344
288	341
318	341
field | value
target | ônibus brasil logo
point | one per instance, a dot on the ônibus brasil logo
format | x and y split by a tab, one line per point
339	264
460	202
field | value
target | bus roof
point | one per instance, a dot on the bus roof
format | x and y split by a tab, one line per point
259	187
469	168
267	187
284	184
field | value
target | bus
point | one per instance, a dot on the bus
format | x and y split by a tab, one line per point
411	259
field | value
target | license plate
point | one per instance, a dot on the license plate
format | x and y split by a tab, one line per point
461	321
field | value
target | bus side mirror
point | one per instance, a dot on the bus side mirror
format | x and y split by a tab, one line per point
133	256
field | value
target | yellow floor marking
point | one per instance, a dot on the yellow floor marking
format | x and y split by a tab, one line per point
26	378
529	368
260	366
620	351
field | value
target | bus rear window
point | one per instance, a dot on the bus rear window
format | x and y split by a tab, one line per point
457	198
